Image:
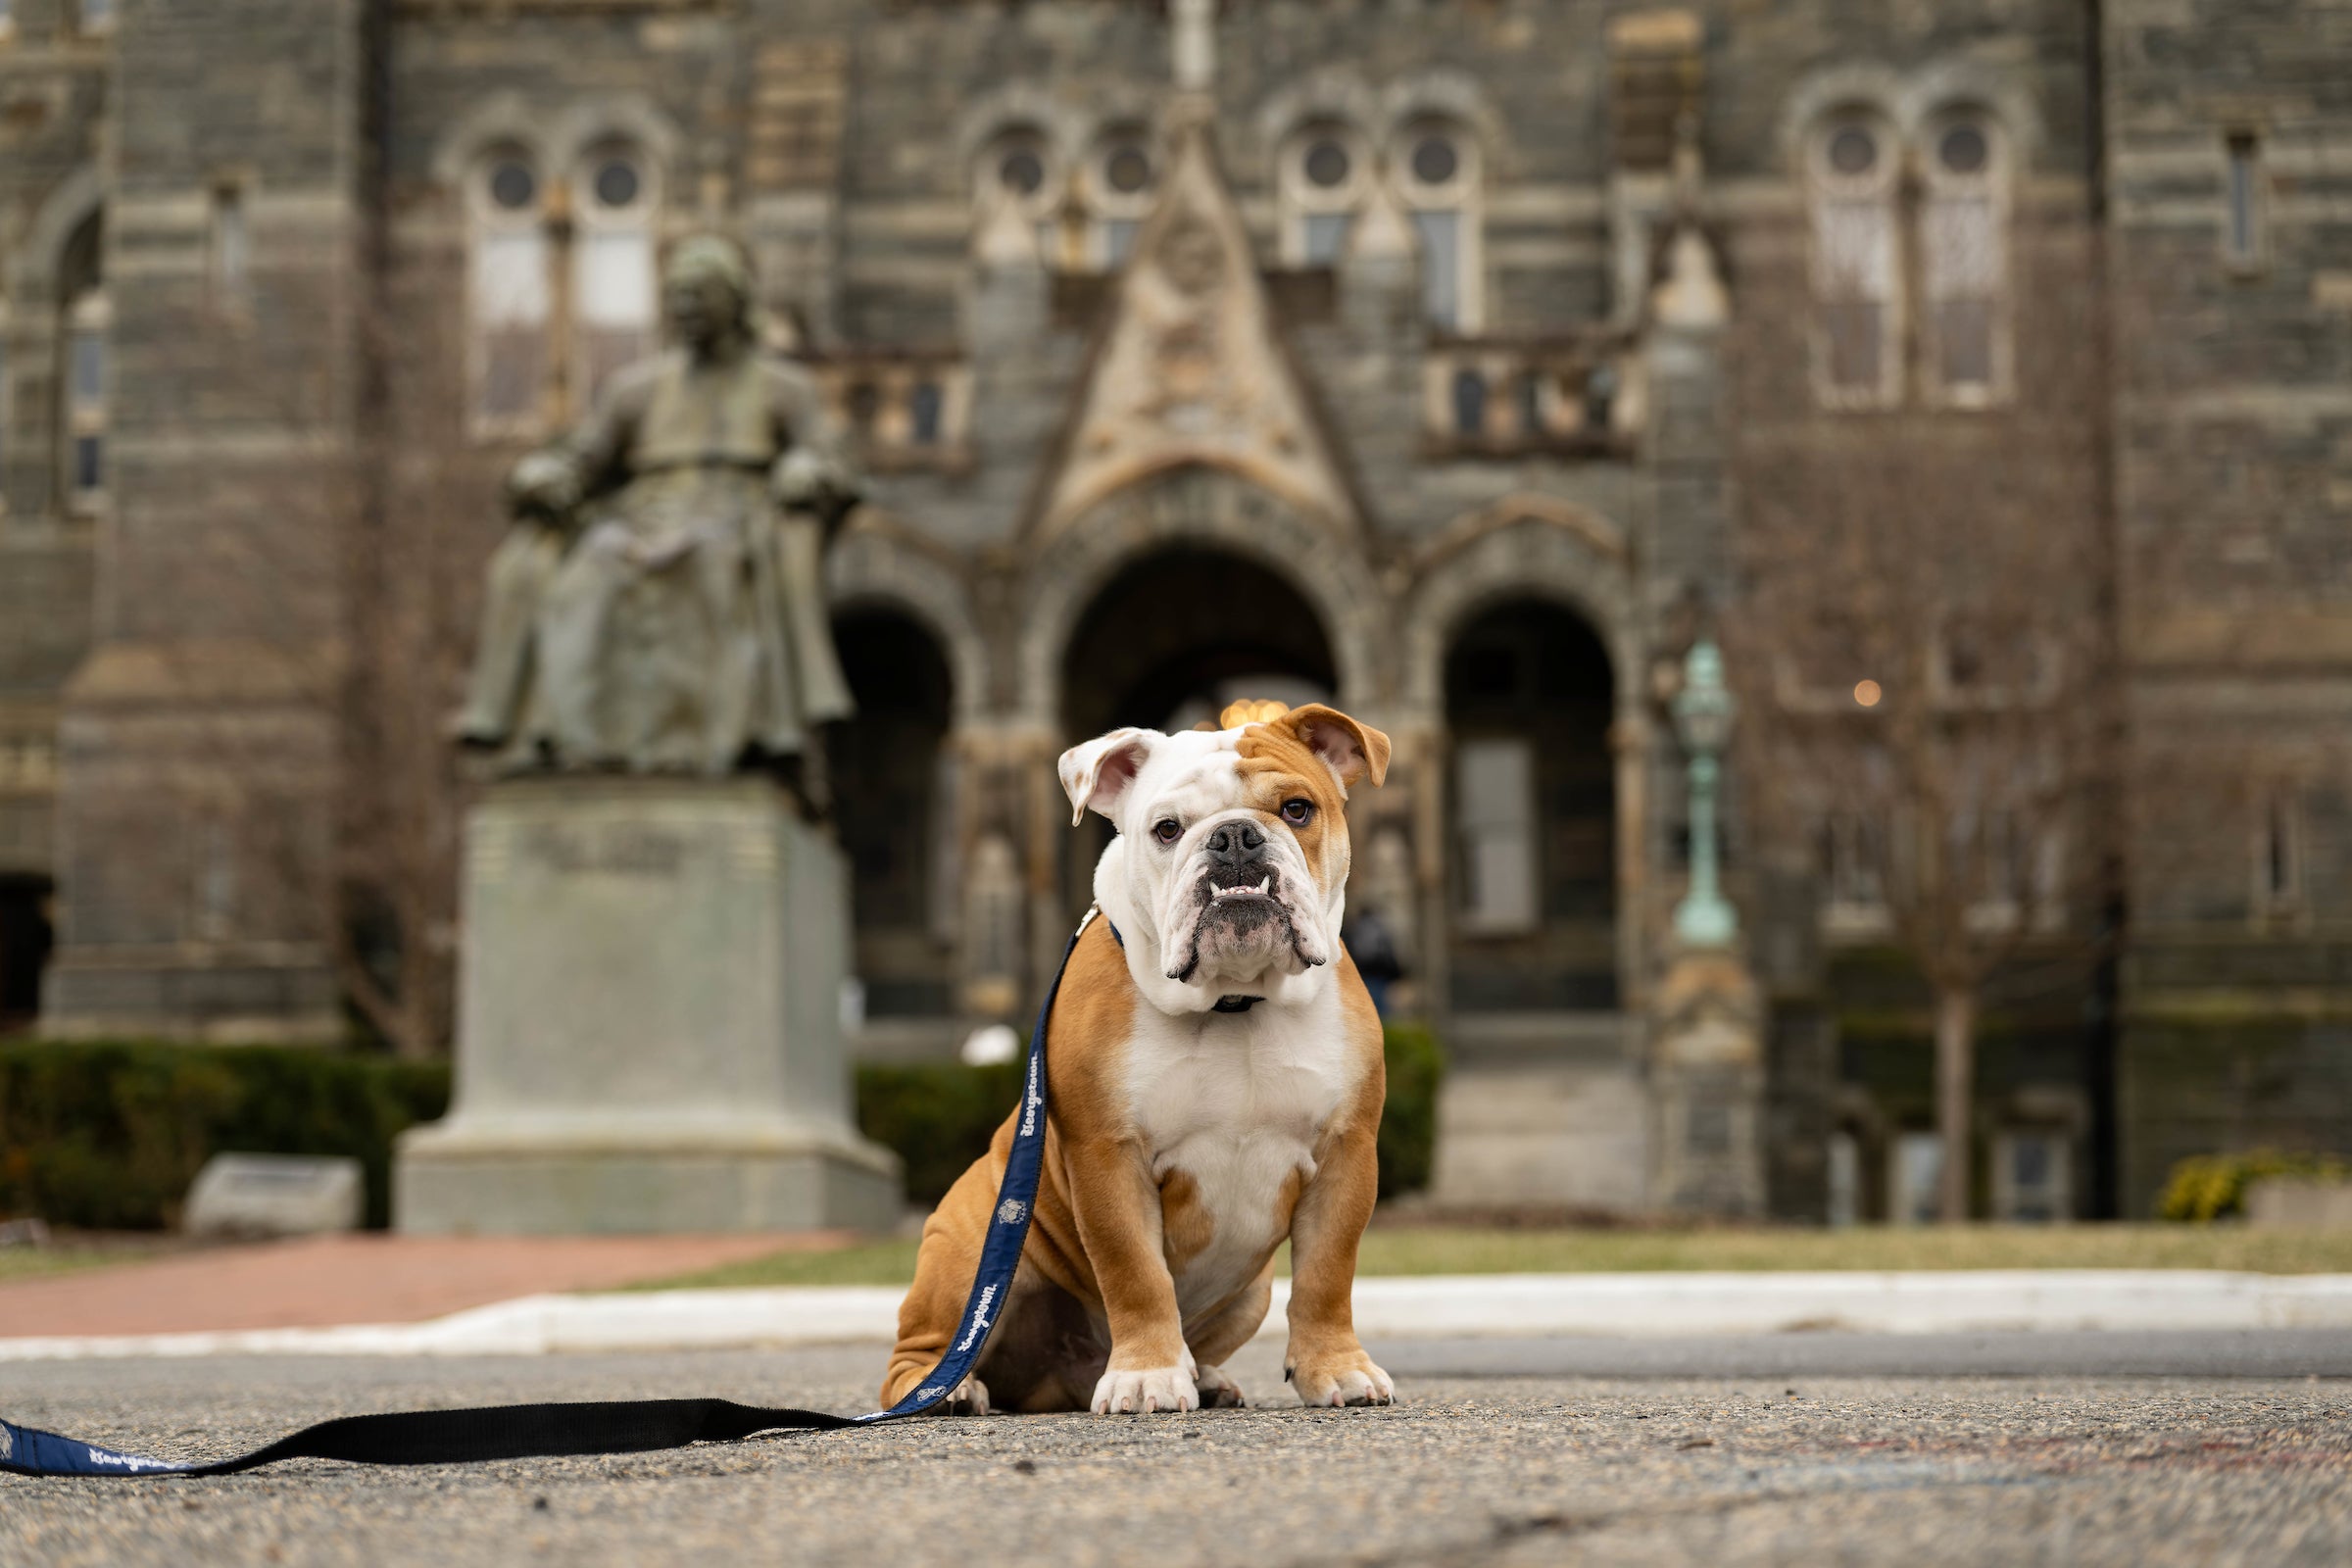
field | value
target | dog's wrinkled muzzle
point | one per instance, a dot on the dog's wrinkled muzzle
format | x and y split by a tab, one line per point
1244	906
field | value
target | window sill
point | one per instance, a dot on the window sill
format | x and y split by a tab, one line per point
1855	924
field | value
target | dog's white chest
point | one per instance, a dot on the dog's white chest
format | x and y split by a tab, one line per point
1238	1102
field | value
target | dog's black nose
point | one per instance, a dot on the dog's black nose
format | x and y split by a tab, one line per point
1236	842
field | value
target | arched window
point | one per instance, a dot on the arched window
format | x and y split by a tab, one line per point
1964	261
1324	177
83	373
1854	176
1437	175
511	294
1018	166
228	258
1121	179
615	298
87	321
1469	404
925	405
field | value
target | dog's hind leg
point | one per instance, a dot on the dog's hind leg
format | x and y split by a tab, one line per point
943	1281
1222	1332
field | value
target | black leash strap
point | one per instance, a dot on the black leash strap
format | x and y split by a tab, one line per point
621	1426
440	1437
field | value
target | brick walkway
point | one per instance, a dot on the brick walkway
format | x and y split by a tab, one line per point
322	1281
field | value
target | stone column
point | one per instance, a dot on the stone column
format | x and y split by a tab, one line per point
1707	1087
649	1031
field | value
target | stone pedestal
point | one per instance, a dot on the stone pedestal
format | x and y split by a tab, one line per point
649	1027
1542	1112
1708	1088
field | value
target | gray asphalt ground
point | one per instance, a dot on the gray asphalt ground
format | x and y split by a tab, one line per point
1796	1449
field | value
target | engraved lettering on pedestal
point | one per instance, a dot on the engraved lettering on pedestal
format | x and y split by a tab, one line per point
609	851
493	851
753	854
638	851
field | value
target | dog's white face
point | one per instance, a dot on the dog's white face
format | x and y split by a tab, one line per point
1229	875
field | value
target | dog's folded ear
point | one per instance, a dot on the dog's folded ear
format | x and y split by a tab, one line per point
1351	750
1097	773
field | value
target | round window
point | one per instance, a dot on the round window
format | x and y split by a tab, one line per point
1964	150
1853	150
513	186
1127	170
1327	165
1021	172
1435	161
616	183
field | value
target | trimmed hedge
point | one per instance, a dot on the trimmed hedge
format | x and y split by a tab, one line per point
938	1117
1409	1122
109	1136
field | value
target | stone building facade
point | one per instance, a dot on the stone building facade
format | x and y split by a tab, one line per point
1421	355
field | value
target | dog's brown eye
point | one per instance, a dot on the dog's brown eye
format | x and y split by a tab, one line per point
1169	831
1299	812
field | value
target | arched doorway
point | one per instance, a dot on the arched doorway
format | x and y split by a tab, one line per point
1532	814
26	939
1168	641
894	787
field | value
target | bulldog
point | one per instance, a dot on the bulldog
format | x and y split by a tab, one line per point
1214	1086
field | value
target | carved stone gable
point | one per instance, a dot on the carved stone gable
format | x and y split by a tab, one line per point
1189	368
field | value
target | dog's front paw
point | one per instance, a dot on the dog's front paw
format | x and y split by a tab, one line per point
1159	1387
1348	1377
1219	1392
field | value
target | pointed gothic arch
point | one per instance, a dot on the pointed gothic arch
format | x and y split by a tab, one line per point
1213	508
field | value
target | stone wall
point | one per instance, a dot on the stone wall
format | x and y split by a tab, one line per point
2232	460
199	740
200	745
54	87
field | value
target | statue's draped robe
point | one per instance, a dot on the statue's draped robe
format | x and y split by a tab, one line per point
683	623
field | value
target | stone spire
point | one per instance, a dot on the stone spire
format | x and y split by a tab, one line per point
1194	45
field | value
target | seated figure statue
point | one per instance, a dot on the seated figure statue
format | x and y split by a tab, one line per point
660	605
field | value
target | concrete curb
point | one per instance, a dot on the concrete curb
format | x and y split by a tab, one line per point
1440	1306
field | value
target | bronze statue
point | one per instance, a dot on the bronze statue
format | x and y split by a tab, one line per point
659	603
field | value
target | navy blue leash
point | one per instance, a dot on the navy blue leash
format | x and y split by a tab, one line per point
628	1426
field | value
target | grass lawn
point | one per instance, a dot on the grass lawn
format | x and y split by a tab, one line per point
68	1257
1445	1250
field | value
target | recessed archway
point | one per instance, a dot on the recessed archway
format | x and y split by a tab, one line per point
1529	696
1179	626
1198	507
894	789
26	938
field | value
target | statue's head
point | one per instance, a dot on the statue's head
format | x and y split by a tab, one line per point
706	292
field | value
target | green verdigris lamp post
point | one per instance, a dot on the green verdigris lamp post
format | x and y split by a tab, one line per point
1703	718
1707	1016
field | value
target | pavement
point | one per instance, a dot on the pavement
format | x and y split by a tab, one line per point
2144	1446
